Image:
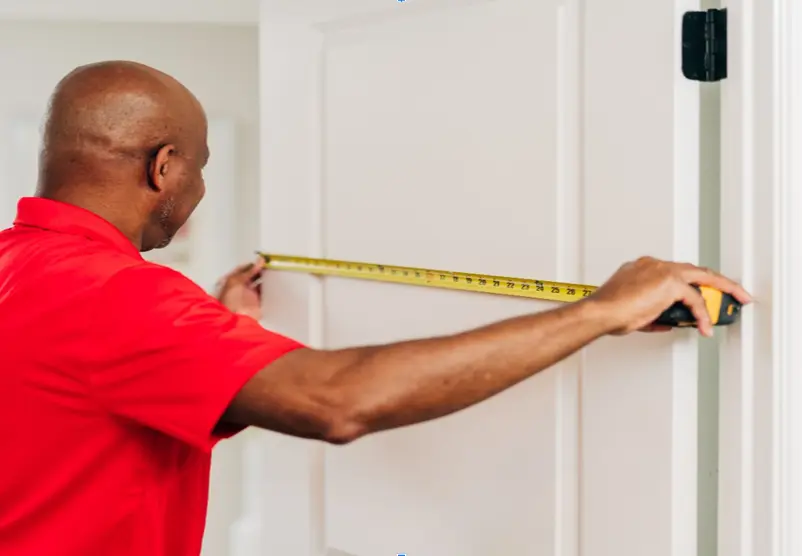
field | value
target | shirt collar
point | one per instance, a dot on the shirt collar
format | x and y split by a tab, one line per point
56	216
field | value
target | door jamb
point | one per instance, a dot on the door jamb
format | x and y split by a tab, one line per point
760	436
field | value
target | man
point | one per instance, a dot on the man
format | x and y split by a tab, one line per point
119	376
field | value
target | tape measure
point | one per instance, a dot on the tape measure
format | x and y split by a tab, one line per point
723	308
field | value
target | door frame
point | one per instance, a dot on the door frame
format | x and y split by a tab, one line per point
760	434
788	429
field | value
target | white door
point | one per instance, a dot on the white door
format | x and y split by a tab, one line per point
550	139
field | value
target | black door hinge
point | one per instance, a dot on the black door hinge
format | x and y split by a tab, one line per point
704	45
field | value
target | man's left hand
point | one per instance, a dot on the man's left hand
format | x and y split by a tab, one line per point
240	291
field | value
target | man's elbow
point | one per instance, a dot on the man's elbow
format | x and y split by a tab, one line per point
344	419
343	433
319	397
342	426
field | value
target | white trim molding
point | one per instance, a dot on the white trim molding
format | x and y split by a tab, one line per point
760	482
788	486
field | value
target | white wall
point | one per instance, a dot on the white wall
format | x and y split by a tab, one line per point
220	65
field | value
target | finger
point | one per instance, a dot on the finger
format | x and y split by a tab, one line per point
656	328
255	283
243	274
242	269
696	303
706	277
235	275
255	270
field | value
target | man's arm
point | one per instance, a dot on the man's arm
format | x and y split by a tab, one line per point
340	395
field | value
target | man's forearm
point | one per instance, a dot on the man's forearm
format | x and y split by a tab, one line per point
340	395
409	382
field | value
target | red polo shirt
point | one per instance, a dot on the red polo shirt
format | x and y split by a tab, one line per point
113	375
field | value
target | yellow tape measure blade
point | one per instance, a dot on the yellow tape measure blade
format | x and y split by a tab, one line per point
482	283
723	308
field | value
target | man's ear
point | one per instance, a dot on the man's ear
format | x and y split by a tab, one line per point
159	166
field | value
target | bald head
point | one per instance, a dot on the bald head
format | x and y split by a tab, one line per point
129	140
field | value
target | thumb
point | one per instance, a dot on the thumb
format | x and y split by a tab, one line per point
243	274
254	269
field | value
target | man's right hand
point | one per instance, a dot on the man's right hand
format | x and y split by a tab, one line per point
636	295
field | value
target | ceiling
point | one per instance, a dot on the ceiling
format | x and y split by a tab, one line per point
237	12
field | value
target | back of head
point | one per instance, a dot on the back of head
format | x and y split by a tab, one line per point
127	142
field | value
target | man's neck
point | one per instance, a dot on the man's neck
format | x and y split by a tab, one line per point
106	207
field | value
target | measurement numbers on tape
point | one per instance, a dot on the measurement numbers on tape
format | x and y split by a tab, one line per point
722	308
483	283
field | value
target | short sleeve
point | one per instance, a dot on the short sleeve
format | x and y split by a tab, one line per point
171	357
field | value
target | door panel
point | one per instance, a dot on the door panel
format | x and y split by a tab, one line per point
640	193
437	154
506	137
